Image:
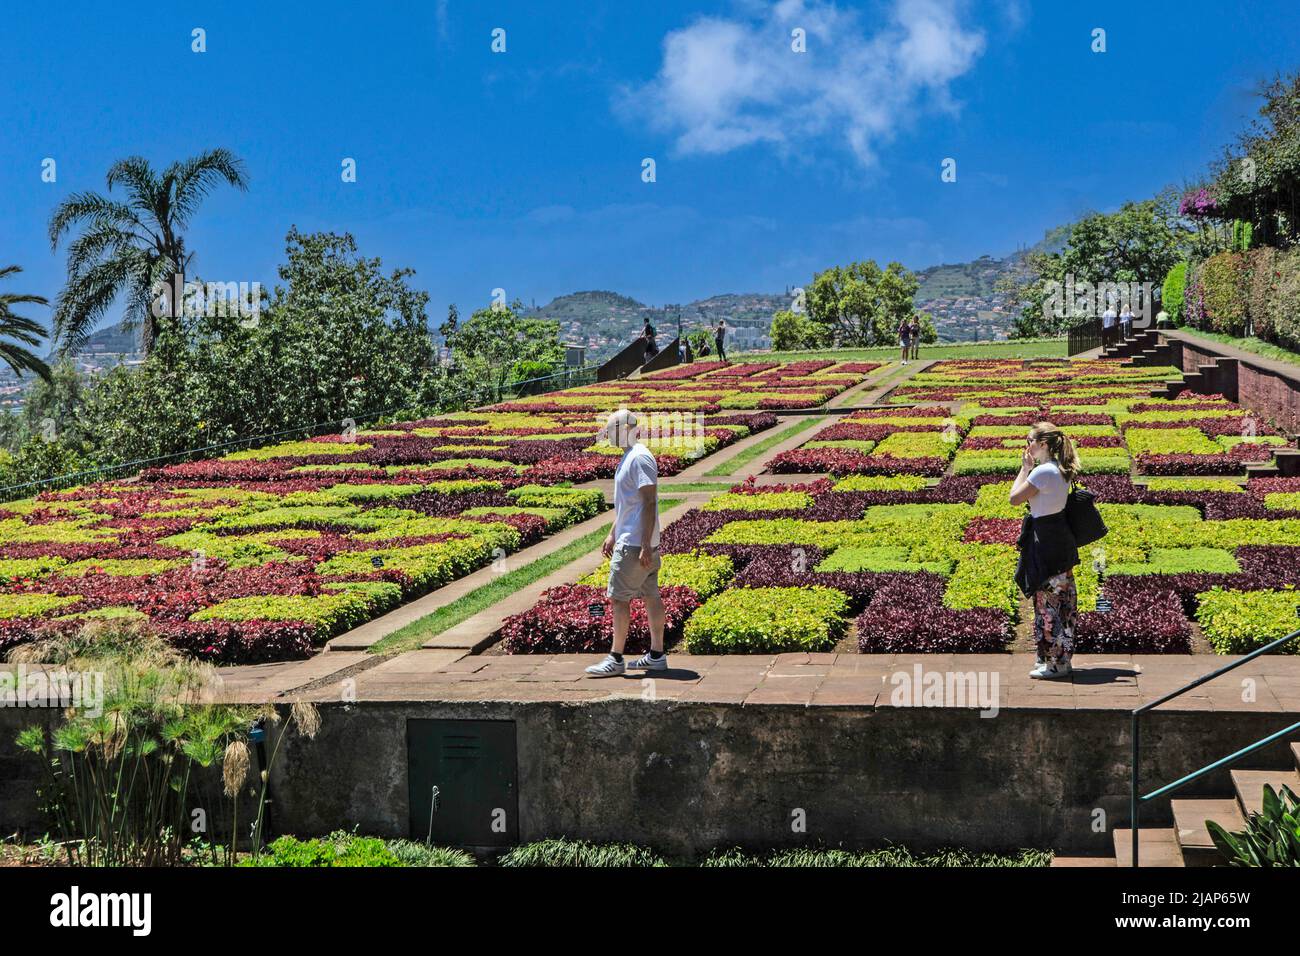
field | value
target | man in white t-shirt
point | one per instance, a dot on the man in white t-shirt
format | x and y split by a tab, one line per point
1108	326
632	547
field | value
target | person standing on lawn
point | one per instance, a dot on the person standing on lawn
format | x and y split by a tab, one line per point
915	329
1048	551
905	340
719	335
632	547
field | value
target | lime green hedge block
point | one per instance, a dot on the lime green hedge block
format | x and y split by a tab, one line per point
705	574
329	614
1181	560
114	613
1231	441
986	463
1237	622
762	501
238	551
295	449
1170	441
994	501
918	445
18	569
1194	484
752	620
32	605
122	567
881	483
427	565
1104	464
1183	514
985	577
450	463
1282	500
852	444
884	558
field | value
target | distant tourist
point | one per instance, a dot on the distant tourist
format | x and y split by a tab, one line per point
1162	319
905	339
1126	322
719	334
648	333
1048	553
1108	326
632	547
915	328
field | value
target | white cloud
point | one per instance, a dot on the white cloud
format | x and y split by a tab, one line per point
725	83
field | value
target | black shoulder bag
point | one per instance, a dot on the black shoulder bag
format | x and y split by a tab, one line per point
1082	516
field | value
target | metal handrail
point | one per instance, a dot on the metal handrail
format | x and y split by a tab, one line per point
1136	801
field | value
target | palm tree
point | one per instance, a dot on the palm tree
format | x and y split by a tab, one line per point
21	330
135	247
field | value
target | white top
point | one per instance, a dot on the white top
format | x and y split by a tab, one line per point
636	470
1108	319
1052	490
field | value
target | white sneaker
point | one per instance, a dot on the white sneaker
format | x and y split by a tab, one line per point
1051	670
647	663
609	667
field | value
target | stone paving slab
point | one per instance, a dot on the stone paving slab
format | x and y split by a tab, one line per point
1099	682
262	683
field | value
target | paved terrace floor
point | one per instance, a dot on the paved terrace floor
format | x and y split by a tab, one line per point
1099	681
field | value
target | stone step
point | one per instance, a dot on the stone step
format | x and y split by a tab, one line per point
1194	837
1262	471
1159	847
1249	785
1074	861
1287	461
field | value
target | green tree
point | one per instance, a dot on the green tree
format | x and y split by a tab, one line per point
492	341
1139	243
340	339
792	330
861	304
135	246
17	332
1258	178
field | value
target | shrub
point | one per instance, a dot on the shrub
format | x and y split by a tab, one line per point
561	622
1261	300
567	853
705	574
1237	622
1181	561
1171	297
1223	277
1147	622
750	620
338	849
759	501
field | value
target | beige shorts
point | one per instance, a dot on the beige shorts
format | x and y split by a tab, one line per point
627	579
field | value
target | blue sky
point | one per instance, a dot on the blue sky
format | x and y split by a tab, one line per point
523	170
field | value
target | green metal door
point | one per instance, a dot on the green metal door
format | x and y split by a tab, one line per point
463	787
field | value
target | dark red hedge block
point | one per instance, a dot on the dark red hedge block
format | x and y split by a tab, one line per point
1141	622
562	623
906	615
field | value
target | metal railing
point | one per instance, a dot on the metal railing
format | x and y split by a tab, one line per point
1136	801
1084	337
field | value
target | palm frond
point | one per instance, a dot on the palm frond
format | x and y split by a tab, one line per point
82	206
194	178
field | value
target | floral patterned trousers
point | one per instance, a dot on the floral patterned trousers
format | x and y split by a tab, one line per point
1055	606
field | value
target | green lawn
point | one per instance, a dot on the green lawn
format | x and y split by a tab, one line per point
741	459
1030	348
413	635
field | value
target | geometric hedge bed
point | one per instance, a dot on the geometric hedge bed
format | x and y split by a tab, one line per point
910	546
265	554
913	565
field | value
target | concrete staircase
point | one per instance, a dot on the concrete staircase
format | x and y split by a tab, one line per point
1187	843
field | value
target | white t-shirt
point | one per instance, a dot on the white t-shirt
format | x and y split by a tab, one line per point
1108	319
1052	490
636	470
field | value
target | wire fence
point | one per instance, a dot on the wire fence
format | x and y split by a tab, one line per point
464	396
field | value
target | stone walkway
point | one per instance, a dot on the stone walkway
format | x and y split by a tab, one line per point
1099	682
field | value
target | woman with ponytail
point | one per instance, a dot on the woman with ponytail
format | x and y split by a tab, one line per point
1048	552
